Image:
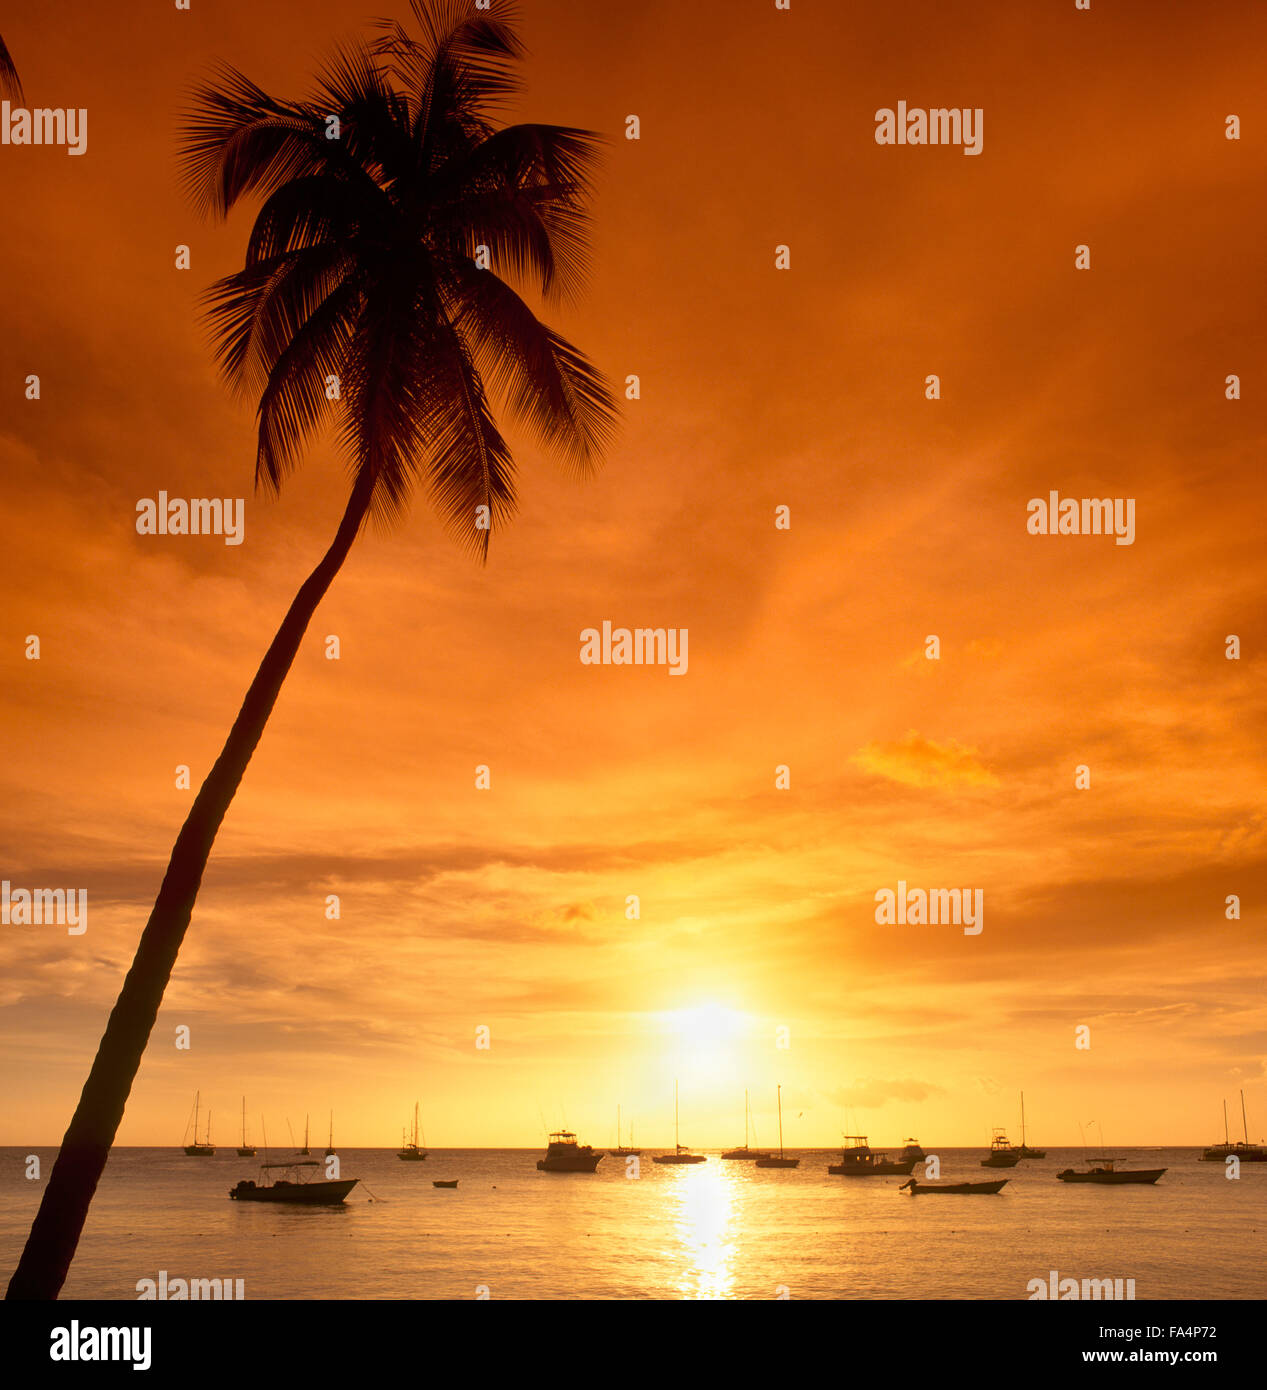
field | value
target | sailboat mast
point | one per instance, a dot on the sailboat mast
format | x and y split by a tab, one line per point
1226	1140
197	1099
745	1120
1244	1126
1022	1119
677	1139
244	1122
618	1126
780	1121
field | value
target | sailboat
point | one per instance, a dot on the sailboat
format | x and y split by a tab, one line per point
1242	1149
768	1160
205	1149
679	1154
330	1145
620	1151
1023	1150
245	1150
745	1152
304	1150
411	1151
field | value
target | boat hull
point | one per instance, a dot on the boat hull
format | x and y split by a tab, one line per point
579	1163
887	1169
1135	1177
1024	1151
680	1158
772	1162
744	1154
296	1194
441	1182
411	1156
200	1150
954	1189
1001	1161
246	1153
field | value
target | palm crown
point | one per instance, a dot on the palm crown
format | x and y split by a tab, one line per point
362	293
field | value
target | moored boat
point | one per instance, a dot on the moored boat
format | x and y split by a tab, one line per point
204	1148
445	1182
911	1149
859	1160
1002	1154
782	1161
245	1150
1023	1150
680	1154
410	1149
565	1155
1239	1148
919	1189
1105	1172
624	1150
294	1191
745	1152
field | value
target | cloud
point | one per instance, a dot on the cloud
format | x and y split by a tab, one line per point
917	761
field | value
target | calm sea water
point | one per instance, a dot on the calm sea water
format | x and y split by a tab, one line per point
715	1230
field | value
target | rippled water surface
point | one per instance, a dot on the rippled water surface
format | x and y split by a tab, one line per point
716	1230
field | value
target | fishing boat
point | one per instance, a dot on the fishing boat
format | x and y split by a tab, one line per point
859	1160
304	1151
245	1150
769	1160
445	1182
956	1189
621	1151
680	1153
330	1145
1023	1150
745	1152
1002	1154
1242	1149
204	1148
911	1149
297	1191
565	1155
410	1150
1105	1172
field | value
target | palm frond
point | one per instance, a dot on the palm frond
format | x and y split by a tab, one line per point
10	82
546	381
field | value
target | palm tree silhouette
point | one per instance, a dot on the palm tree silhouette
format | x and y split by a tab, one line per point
10	83
361	270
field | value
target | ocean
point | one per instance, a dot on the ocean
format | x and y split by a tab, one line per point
720	1229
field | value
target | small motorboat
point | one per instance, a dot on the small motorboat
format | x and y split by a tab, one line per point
445	1182
294	1191
918	1189
1105	1171
913	1150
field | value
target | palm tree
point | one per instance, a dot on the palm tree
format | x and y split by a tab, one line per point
10	82
361	269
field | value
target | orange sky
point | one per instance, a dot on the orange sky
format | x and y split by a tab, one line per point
505	908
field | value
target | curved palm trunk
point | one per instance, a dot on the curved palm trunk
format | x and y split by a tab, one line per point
55	1233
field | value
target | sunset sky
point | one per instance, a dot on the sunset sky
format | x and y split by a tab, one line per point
505	908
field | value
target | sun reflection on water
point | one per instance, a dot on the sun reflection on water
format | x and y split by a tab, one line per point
704	1222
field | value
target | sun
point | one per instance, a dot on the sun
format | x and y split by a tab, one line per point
707	1043
707	1024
